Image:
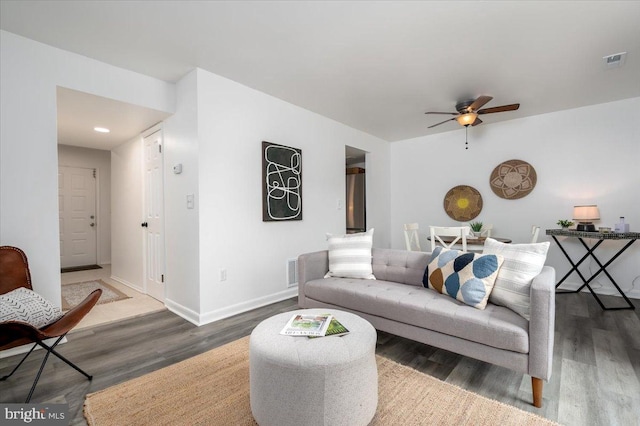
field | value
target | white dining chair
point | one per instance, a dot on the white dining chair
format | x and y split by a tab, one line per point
459	234
486	230
411	237
535	230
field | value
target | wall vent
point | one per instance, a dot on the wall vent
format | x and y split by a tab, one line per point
292	272
614	61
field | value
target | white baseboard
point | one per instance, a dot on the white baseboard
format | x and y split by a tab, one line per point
206	318
127	283
26	348
182	311
239	308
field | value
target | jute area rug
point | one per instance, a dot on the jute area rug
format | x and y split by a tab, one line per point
213	389
72	294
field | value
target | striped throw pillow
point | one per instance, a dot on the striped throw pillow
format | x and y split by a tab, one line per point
350	255
522	263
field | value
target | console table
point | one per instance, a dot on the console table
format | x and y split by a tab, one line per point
630	237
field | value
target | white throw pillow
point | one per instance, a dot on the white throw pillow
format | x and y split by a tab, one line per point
27	306
522	263
350	255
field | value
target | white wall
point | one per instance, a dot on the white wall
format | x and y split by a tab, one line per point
99	160
182	232
588	155
127	213
29	74
215	133
233	120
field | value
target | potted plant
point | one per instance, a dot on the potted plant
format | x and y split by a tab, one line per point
476	227
564	223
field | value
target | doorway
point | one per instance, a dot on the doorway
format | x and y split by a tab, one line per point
77	208
355	190
118	157
153	213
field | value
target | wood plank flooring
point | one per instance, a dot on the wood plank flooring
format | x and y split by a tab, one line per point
595	380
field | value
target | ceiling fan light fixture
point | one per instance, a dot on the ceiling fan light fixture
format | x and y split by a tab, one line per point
466	119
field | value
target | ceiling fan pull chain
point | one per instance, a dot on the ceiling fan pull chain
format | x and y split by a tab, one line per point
466	133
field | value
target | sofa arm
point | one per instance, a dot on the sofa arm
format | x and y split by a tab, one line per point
542	323
311	266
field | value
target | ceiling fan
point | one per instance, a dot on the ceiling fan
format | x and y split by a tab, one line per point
468	111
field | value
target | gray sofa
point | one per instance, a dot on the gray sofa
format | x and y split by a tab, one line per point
396	302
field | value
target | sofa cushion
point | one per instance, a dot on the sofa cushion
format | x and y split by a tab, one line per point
400	266
494	326
522	263
350	255
25	305
467	277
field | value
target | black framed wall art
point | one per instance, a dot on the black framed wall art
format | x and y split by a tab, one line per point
281	182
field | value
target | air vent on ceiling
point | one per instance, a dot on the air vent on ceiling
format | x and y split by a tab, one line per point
614	61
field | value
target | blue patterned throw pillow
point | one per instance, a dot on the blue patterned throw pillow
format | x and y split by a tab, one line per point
467	277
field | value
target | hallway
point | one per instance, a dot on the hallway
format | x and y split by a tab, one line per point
138	304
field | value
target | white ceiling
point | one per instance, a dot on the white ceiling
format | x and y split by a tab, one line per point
79	113
375	66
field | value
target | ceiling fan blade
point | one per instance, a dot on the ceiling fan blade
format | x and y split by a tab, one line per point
442	122
478	121
479	103
502	108
437	112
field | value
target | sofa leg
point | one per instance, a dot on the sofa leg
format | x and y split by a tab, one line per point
536	385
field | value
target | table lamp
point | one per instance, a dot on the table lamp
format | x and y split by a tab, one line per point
584	215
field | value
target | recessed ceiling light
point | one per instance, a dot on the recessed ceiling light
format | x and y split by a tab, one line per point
101	129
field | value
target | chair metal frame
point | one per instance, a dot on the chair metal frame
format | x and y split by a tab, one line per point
14	273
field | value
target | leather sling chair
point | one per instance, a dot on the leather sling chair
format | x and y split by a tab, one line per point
14	273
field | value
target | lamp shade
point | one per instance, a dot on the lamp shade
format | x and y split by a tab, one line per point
466	119
586	213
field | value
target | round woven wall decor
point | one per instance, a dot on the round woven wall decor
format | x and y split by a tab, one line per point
513	179
463	203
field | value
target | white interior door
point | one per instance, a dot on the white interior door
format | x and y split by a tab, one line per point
77	208
153	224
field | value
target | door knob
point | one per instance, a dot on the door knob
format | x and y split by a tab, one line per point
144	224
92	224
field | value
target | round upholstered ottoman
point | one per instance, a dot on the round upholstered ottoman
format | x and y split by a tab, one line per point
323	381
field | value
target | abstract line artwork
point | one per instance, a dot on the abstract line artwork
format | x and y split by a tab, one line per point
281	183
